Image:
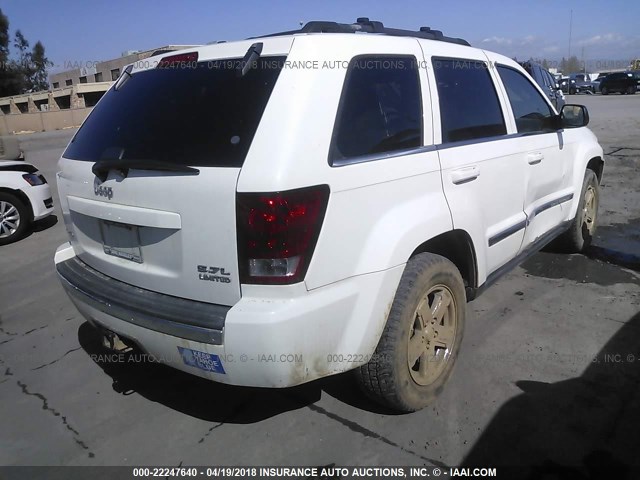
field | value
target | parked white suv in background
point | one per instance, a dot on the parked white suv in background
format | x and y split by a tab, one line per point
271	211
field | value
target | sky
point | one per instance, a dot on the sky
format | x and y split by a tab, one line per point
75	32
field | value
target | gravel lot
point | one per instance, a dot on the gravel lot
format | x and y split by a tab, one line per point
548	374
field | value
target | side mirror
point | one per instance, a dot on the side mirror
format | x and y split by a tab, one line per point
574	116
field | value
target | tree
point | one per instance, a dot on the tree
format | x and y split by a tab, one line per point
27	71
40	63
21	43
9	73
4	39
571	65
25	65
6	79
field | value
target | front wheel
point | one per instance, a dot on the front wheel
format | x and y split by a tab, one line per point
421	339
14	217
604	91
631	90
583	227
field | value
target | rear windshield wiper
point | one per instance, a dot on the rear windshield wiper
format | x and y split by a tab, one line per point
101	168
249	60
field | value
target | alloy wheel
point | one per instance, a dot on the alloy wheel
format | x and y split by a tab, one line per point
589	209
9	219
432	335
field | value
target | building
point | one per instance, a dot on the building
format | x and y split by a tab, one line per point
72	95
107	71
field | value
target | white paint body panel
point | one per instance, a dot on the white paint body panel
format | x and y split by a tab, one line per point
13	180
279	336
379	212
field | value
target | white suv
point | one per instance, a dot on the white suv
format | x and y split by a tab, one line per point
271	211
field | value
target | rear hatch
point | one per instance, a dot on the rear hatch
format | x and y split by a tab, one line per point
148	183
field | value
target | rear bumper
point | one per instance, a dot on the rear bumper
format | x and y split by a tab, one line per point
41	200
198	321
267	339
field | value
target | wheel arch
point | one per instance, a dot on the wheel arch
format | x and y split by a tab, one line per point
22	197
597	165
457	246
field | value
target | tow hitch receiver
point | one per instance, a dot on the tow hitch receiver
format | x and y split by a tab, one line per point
113	342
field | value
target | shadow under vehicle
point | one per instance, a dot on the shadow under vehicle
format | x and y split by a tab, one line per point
581	428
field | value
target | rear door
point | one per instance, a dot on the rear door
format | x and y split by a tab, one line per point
148	183
617	82
482	169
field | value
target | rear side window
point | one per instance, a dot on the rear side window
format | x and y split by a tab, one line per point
531	111
551	82
202	114
469	105
380	109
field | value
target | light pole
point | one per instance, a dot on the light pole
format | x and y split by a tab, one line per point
570	25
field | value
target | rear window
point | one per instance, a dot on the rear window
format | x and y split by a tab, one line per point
202	114
380	109
469	105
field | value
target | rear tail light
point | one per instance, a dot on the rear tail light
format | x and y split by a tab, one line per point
34	179
277	233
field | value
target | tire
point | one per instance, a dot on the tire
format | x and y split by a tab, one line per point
583	227
631	90
572	91
14	218
604	91
391	378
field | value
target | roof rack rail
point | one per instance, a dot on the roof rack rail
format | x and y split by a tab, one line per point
364	25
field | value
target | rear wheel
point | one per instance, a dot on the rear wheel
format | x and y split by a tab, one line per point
583	228
421	339
14	217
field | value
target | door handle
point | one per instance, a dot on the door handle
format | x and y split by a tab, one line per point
534	158
465	175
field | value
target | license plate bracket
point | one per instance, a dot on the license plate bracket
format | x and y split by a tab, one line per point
121	240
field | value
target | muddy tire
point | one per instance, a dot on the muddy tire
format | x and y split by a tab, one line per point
421	339
583	227
14	218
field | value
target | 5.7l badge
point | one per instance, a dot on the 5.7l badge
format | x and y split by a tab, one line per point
213	274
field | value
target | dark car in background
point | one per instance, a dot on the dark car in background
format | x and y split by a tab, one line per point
580	83
547	83
576	83
595	84
621	82
636	75
572	86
